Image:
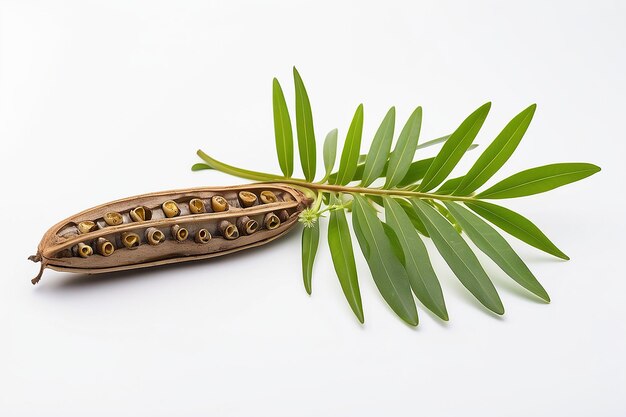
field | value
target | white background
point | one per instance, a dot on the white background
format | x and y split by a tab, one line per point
102	100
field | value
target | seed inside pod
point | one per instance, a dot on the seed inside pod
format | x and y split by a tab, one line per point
283	215
130	240
84	250
154	236
105	248
247	198
268	197
196	206
219	203
170	208
86	226
140	214
113	219
228	230
179	233
203	236
271	221
247	225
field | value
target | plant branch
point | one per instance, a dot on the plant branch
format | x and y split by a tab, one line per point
374	191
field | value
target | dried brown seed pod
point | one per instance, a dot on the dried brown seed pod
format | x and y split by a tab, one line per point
105	247
247	225
247	198
202	236
113	218
154	236
170	209
268	197
86	226
196	206
219	203
228	230
130	240
140	214
271	221
58	248
179	233
83	250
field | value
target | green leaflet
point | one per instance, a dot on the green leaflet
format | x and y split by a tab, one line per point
449	186
497	248
394	242
454	148
516	225
282	130
458	255
497	153
330	153
433	142
310	241
539	180
416	171
416	261
445	213
402	155
200	166
378	155
340	245
415	219
351	148
387	270
304	127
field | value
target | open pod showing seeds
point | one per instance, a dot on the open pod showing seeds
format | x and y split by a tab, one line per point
169	227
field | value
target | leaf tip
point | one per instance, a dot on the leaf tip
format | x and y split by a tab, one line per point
359	316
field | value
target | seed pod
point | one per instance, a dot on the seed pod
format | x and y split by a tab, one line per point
219	203
105	247
271	221
83	250
179	233
113	218
247	225
130	240
86	226
268	197
170	209
283	215
247	198
196	206
228	230
59	247
140	214
203	236
154	236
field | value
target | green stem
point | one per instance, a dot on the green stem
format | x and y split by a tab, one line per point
308	187
238	172
373	191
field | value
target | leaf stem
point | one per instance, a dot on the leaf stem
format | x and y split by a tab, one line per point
374	191
310	186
